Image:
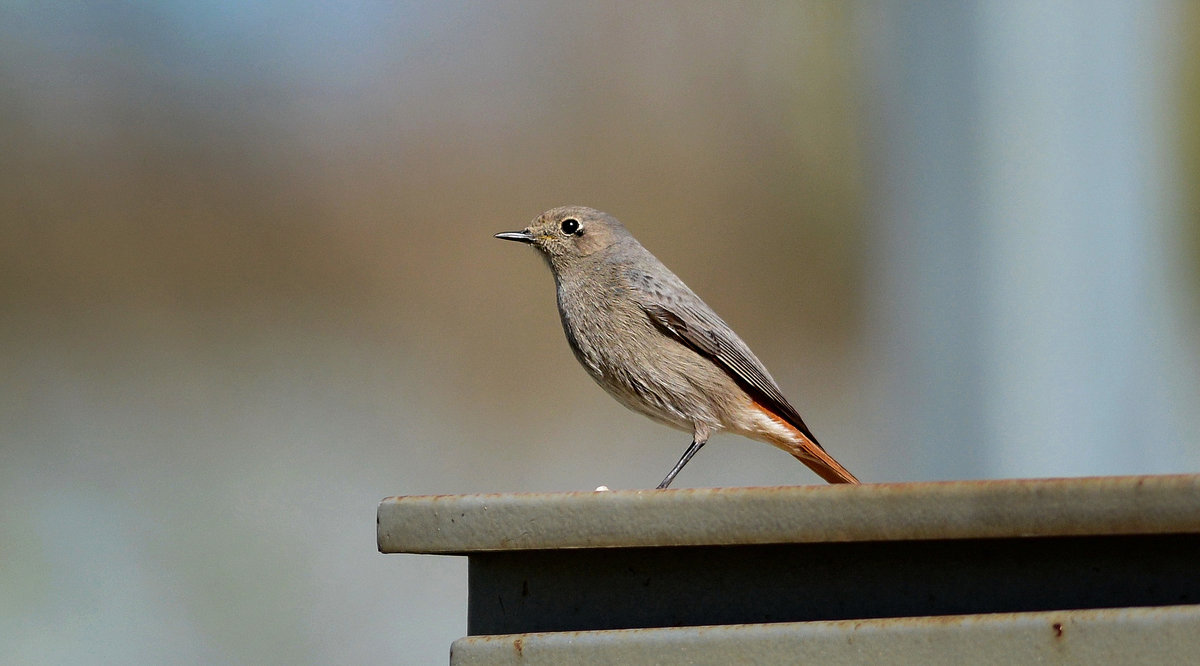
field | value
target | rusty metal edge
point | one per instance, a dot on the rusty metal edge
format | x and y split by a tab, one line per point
464	524
1168	634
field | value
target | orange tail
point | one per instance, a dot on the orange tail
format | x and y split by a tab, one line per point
820	462
809	452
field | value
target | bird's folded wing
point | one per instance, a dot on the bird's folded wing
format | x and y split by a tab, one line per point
708	335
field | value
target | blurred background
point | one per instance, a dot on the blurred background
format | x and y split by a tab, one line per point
248	285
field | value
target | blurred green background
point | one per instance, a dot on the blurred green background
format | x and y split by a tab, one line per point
248	286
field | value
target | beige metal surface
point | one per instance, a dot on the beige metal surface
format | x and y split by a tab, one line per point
463	524
1164	635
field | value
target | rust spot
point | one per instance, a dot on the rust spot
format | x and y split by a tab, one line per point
1058	629
519	646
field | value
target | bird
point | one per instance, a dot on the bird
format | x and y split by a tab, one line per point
656	347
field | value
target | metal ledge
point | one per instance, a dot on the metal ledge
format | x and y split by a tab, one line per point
905	573
466	524
1120	636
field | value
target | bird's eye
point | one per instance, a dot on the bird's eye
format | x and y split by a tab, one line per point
570	226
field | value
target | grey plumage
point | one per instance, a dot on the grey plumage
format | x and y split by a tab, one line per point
655	346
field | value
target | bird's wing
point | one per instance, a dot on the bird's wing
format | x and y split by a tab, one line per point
698	327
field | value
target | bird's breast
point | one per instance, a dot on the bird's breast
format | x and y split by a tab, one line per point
635	362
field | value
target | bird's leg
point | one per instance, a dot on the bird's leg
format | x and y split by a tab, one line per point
697	442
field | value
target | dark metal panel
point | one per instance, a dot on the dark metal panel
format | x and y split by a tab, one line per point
589	589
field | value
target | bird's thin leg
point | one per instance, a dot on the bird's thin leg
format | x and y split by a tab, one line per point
687	455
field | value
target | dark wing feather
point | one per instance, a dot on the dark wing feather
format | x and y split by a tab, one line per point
705	332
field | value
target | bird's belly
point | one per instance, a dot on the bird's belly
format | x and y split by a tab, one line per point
650	401
666	381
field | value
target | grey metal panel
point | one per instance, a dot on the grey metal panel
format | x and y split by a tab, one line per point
463	524
1169	635
592	589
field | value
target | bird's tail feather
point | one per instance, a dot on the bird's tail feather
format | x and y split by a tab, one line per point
807	451
820	462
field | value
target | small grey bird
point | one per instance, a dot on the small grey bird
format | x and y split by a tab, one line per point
656	347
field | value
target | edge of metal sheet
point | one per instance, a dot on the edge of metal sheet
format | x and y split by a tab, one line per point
464	524
1169	634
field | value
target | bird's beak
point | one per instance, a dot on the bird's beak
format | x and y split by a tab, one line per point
519	236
